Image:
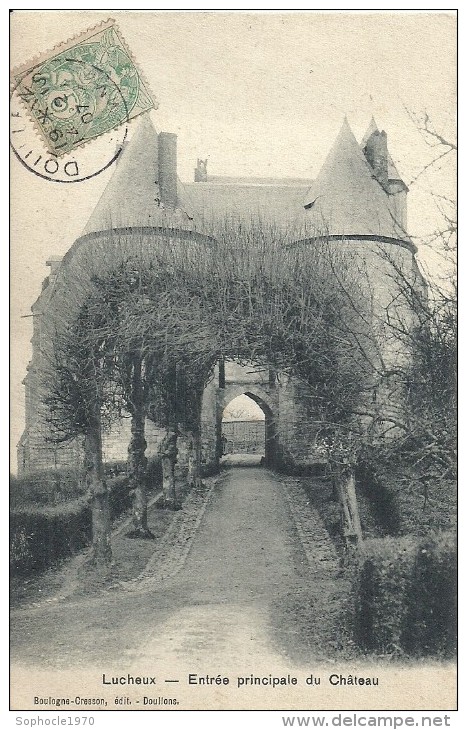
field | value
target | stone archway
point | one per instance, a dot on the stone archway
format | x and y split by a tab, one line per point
267	404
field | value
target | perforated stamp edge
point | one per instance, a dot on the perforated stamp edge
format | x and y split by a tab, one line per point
23	69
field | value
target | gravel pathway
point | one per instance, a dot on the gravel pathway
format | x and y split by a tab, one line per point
246	573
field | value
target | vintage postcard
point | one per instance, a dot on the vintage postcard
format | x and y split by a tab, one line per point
233	377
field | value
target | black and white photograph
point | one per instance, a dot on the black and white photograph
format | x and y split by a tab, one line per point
233	480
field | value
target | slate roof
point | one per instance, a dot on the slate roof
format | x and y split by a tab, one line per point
346	198
131	198
372	127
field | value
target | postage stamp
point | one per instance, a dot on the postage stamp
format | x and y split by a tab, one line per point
82	89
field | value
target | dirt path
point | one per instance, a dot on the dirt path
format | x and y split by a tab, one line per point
253	581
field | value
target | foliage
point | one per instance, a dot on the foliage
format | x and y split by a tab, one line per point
180	306
431	604
51	487
114	468
400	502
405	592
40	535
174	307
409	456
154	473
382	501
76	375
47	487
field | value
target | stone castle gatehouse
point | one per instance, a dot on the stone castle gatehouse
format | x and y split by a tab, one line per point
359	198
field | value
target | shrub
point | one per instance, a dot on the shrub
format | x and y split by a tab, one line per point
154	473
209	470
401	502
114	468
42	535
381	500
384	572
431	609
120	496
50	487
405	595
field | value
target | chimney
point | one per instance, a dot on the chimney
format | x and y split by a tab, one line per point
376	152
167	159
201	171
54	263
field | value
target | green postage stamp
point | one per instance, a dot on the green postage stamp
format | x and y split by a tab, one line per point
82	89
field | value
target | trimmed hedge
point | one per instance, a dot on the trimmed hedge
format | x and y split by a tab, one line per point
405	595
51	487
382	583
41	536
54	486
50	517
401	503
431	616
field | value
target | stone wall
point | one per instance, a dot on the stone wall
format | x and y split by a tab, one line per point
115	441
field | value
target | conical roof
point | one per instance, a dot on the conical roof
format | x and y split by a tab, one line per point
372	127
346	198
132	197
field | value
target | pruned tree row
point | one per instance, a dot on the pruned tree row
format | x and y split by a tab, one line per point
140	319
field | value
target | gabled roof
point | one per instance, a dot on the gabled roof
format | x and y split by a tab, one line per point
346	198
132	198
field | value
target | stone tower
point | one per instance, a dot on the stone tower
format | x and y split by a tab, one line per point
357	201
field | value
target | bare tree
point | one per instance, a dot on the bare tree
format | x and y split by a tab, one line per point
75	383
159	319
412	421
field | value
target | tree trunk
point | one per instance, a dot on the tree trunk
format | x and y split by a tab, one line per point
137	461
345	484
219	446
99	495
169	457
196	431
194	460
191	475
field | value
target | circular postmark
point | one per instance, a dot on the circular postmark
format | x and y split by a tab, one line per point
72	124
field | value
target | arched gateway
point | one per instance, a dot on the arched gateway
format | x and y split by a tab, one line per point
358	196
264	394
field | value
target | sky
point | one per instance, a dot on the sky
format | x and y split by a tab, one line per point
258	94
242	408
